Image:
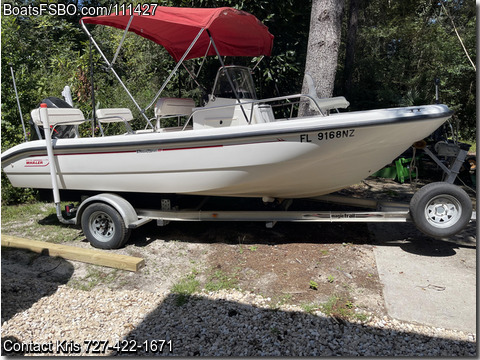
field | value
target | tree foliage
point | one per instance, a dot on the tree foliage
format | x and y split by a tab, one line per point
400	48
403	46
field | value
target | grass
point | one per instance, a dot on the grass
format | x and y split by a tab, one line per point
185	288
240	244
338	306
220	280
37	221
309	307
282	300
95	276
342	307
362	317
189	285
313	285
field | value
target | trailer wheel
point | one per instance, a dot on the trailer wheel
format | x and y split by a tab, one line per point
104	227
440	209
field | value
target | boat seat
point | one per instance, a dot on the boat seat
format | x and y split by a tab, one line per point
325	104
65	118
263	113
174	107
338	102
171	108
111	115
59	116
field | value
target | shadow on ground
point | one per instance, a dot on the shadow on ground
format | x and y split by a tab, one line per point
206	327
26	278
411	240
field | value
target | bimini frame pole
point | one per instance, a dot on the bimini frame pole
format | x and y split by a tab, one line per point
175	69
228	77
115	73
204	57
121	41
92	90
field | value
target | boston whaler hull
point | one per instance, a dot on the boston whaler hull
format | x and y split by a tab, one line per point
285	159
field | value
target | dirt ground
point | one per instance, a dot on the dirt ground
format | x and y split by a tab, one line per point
305	263
293	263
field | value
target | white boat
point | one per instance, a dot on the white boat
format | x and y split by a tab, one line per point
234	145
285	158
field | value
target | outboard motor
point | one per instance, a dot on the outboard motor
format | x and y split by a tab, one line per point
61	131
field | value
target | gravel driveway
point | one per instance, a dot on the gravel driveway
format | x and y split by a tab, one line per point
40	310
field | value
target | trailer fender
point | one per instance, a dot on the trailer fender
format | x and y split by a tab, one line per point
124	208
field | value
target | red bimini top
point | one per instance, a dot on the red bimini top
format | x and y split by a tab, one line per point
235	32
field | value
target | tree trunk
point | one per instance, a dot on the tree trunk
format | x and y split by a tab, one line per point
323	44
350	46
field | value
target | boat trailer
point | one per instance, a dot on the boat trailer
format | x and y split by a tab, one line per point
107	219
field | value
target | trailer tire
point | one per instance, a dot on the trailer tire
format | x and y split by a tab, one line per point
440	209
104	227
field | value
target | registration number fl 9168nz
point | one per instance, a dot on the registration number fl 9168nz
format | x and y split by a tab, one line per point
328	135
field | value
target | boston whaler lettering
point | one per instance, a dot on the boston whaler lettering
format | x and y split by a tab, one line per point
235	145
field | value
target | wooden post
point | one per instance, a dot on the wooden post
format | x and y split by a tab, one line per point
90	256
